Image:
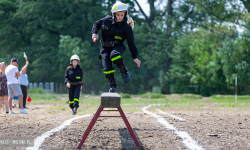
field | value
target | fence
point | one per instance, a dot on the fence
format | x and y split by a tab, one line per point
61	88
50	87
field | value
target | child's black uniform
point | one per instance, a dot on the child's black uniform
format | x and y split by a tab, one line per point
113	35
74	77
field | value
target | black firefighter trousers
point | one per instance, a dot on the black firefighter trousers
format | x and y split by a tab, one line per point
74	95
109	55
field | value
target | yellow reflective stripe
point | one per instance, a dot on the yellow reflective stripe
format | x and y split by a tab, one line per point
115	58
76	99
124	5
71	102
109	72
114	8
78	77
118	38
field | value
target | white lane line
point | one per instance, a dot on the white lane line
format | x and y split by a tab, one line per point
187	139
176	117
39	140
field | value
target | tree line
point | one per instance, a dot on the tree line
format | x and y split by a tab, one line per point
186	46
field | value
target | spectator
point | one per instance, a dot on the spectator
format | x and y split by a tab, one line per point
3	87
15	98
24	82
13	87
0	89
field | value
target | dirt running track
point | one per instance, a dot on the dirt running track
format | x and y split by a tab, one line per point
211	129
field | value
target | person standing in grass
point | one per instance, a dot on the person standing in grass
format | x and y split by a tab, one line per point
13	86
14	101
73	80
3	87
24	82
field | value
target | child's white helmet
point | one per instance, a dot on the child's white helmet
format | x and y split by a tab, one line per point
119	6
74	57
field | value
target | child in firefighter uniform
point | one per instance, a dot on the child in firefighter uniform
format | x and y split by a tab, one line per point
73	80
115	30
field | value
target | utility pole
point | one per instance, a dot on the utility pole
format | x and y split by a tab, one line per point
235	89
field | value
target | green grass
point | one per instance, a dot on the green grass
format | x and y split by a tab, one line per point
37	90
186	101
230	99
191	96
126	95
151	95
48	98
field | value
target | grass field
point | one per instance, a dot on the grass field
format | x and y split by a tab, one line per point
181	101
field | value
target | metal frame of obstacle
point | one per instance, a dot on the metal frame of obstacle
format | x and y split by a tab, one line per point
108	100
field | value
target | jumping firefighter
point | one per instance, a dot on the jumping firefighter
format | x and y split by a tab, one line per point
73	80
115	30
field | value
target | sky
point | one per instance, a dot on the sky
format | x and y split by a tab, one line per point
144	5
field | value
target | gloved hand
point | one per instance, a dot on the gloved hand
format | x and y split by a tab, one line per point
94	37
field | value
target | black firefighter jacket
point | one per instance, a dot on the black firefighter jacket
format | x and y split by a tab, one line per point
112	30
73	74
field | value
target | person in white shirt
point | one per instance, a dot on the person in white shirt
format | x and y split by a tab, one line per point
12	73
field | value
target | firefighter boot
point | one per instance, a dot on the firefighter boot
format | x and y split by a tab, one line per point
112	82
124	73
74	110
113	86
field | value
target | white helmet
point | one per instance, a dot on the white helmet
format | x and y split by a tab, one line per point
119	6
74	57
